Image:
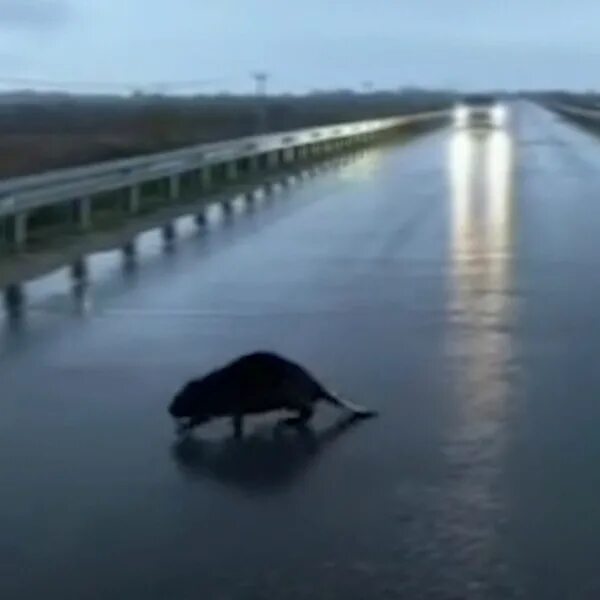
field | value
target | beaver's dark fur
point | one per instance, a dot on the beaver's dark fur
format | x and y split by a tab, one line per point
256	383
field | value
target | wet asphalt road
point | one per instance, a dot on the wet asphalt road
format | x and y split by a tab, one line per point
451	283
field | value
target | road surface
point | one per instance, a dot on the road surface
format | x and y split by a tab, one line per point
452	283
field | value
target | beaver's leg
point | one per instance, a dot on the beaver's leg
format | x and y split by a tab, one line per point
238	425
304	415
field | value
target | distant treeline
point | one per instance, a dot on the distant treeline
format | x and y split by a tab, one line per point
200	116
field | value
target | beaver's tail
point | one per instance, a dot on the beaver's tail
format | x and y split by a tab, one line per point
358	411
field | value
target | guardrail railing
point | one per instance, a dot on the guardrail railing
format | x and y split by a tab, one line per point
20	196
578	111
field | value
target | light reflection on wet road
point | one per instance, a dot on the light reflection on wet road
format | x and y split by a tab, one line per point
451	283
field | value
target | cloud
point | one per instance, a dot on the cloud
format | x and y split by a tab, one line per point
33	14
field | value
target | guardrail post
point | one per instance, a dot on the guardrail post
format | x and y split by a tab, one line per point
174	187
83	208
19	231
134	199
288	155
205	178
231	171
273	159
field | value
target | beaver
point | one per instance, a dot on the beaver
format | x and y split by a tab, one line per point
253	384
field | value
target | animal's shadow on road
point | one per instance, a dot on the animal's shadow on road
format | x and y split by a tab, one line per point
261	462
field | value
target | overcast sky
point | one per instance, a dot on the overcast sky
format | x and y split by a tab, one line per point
305	44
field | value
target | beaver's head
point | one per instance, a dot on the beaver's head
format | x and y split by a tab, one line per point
189	402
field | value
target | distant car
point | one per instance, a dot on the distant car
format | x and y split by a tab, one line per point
479	111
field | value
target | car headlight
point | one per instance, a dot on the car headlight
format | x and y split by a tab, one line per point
499	114
461	114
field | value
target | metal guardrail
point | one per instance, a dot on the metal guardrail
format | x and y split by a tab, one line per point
23	194
589	113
